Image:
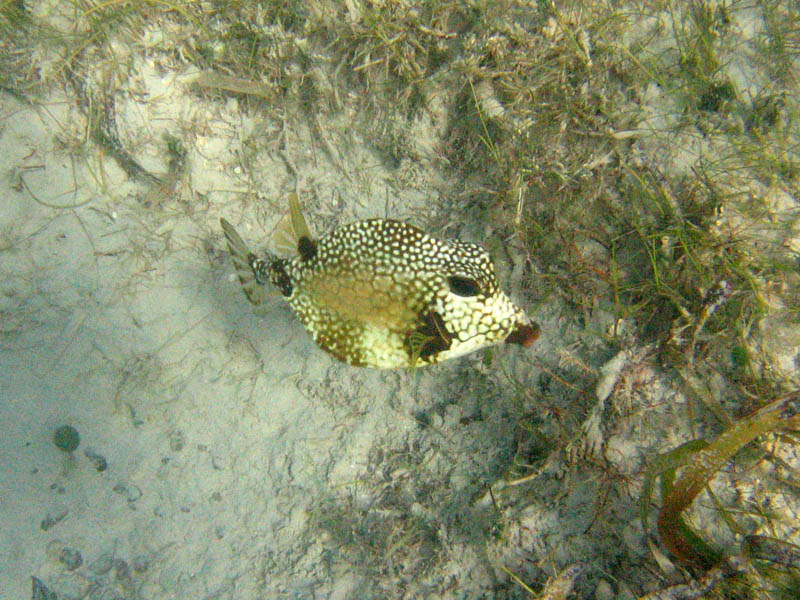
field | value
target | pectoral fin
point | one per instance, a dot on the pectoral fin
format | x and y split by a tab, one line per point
428	339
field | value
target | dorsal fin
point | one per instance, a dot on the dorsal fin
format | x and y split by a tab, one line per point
299	225
291	229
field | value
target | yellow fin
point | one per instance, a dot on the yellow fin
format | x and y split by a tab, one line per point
299	225
416	343
289	230
283	240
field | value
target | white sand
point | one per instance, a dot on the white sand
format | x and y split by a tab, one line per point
223	430
243	462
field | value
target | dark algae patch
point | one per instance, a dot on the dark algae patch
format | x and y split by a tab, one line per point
66	438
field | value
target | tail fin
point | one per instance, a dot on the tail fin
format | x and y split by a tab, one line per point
245	263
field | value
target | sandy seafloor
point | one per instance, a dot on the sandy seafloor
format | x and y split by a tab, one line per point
223	430
243	462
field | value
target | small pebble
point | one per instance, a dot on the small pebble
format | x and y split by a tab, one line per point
131	492
604	591
98	461
102	565
122	573
50	520
140	563
66	438
176	440
40	591
70	558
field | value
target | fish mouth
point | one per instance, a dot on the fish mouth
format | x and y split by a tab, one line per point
524	334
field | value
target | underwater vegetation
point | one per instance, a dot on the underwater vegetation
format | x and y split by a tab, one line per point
636	165
699	462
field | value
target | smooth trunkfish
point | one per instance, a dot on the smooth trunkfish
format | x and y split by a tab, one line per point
382	293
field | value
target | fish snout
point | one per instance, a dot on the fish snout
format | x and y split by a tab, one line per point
524	334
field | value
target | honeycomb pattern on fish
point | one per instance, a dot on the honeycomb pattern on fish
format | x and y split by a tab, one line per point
382	293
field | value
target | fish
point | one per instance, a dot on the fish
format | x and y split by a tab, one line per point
382	293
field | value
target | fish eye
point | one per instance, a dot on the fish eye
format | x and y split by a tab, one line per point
463	286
